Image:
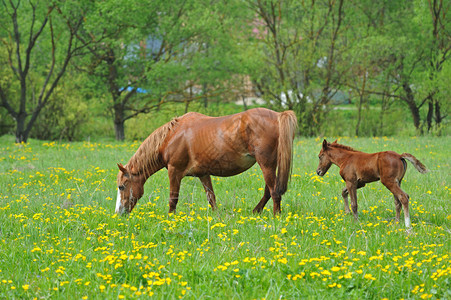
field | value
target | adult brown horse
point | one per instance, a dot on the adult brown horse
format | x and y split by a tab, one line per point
358	168
201	146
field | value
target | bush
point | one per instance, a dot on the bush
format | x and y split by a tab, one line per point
6	122
61	118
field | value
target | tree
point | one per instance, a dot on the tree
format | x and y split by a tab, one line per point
440	53
145	54
413	45
300	45
40	42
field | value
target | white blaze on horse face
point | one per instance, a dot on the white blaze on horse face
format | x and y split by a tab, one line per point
118	202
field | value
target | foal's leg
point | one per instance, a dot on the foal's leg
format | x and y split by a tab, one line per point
174	188
352	190
208	187
402	197
398	206
345	194
263	201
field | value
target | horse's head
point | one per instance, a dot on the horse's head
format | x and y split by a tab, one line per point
324	159
130	188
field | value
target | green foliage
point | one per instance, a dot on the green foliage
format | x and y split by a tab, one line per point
63	118
387	55
39	42
6	123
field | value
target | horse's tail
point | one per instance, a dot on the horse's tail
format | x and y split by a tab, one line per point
287	128
415	162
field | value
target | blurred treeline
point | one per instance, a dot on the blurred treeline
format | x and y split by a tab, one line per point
118	69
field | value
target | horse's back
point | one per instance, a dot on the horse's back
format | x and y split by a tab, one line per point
240	127
221	146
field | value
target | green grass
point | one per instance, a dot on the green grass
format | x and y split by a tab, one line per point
60	238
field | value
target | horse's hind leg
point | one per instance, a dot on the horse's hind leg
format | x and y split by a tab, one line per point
263	201
401	196
398	206
269	174
208	187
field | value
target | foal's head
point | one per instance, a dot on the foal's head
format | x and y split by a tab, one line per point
130	188
324	159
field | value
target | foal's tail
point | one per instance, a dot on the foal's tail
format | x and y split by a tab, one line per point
287	127
416	163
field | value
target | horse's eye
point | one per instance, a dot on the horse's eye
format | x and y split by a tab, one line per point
121	187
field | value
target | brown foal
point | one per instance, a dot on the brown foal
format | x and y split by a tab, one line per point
359	168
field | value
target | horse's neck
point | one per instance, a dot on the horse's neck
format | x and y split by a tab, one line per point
147	160
145	164
338	156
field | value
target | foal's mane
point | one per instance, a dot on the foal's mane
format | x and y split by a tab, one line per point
336	145
146	160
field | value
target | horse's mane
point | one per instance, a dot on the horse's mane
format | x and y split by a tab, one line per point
146	160
336	145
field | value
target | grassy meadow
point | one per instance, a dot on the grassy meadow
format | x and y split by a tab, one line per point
60	238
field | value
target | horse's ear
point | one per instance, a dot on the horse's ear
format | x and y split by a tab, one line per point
325	144
335	141
123	169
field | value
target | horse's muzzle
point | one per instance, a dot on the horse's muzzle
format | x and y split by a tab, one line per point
121	211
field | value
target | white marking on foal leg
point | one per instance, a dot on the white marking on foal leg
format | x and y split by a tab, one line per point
118	202
407	221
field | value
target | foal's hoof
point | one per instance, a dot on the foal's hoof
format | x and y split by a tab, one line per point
409	231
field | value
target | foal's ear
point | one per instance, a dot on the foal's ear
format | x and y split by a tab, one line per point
123	169
325	144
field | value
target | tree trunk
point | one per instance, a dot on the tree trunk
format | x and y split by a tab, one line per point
205	91
361	100
438	115
21	134
429	115
359	115
414	109
119	121
119	130
244	102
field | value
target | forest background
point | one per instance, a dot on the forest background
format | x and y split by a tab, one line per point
119	69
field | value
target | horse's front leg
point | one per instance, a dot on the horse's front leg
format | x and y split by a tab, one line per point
208	187
345	194
352	190
174	188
